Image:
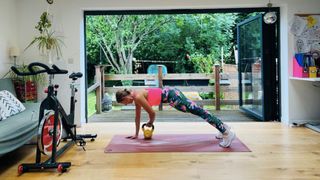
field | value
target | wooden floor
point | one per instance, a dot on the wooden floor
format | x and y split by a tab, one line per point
278	152
170	115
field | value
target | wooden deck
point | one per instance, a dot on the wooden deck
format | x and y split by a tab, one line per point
170	115
278	152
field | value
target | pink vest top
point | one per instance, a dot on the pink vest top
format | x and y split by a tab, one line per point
154	96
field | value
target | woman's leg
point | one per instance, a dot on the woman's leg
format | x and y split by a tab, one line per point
178	100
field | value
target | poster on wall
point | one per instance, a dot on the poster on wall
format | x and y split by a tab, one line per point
306	30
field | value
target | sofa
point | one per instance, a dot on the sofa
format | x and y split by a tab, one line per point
19	129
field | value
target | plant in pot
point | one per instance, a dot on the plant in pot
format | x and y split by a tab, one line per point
26	86
47	42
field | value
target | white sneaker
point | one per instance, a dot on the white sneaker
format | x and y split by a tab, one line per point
227	139
220	135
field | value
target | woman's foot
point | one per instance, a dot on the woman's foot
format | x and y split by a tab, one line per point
220	135
227	138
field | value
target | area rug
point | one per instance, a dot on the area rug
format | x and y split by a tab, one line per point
172	143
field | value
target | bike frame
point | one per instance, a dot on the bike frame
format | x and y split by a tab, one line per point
51	103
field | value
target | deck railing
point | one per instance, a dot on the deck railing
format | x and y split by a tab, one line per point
101	78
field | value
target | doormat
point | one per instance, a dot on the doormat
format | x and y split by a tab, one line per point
172	143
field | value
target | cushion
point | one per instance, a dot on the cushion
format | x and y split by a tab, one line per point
17	130
2	114
9	105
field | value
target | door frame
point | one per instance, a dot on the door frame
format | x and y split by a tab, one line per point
178	11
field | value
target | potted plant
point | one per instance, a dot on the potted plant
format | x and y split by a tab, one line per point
26	86
47	42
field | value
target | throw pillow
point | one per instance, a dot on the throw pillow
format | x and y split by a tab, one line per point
9	105
2	114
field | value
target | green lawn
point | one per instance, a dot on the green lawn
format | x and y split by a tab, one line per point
91	103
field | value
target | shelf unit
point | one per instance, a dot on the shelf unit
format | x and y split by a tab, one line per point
306	79
313	126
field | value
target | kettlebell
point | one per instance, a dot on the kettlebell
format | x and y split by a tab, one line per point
147	132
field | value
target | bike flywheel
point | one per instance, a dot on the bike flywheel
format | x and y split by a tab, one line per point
45	133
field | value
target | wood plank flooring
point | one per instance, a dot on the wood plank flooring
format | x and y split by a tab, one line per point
278	152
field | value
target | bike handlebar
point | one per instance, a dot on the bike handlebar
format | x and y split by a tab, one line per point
45	69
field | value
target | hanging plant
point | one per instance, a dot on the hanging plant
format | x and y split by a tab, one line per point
47	41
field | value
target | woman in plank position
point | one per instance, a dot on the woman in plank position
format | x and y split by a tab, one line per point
149	97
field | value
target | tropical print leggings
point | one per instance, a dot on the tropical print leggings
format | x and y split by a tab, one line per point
179	101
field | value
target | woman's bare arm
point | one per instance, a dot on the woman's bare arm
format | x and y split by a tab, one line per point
142	101
137	121
137	118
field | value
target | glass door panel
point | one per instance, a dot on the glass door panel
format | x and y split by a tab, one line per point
250	66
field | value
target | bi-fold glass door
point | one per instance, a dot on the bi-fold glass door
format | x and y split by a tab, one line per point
258	84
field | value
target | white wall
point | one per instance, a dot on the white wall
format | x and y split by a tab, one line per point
303	98
68	16
8	33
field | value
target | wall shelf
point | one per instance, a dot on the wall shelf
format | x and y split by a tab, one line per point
306	79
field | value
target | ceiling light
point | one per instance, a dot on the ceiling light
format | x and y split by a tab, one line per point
271	16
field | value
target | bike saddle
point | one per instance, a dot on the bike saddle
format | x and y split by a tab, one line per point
75	76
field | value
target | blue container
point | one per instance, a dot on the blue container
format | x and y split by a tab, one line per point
153	69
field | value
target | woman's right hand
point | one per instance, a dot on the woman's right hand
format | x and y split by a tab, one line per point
132	137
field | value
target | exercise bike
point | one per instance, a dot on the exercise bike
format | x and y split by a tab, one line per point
54	124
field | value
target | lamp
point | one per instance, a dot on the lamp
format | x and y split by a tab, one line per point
271	16
50	1
14	52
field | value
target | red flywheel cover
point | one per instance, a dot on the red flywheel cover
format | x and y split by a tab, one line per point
45	133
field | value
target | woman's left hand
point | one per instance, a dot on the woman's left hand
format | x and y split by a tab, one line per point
149	124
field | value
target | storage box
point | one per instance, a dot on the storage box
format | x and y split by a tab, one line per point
298	66
312	72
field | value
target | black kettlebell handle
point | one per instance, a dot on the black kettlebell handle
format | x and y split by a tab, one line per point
143	125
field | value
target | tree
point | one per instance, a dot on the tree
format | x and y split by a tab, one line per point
162	37
118	36
199	35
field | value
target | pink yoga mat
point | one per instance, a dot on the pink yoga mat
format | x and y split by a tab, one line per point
172	143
